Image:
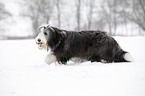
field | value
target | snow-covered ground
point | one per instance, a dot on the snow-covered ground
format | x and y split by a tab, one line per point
23	72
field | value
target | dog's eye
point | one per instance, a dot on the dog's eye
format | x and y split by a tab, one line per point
45	33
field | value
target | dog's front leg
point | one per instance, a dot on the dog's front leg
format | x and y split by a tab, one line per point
50	58
63	59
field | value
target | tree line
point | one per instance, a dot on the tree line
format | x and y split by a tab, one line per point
83	14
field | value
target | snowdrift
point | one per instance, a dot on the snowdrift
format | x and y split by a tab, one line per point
23	72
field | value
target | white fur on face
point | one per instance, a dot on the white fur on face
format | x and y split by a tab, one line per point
43	39
41	36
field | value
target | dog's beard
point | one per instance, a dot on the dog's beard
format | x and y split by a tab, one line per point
42	44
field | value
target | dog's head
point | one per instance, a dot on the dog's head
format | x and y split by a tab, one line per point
43	36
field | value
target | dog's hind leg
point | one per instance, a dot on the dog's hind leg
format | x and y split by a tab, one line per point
95	59
78	60
123	57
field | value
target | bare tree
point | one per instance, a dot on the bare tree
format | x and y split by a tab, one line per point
131	11
78	13
58	2
136	13
3	14
39	11
113	21
105	15
46	9
90	12
111	13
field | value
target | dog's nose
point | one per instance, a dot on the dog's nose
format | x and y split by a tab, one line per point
39	40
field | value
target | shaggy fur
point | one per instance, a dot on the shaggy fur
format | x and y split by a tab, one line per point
94	46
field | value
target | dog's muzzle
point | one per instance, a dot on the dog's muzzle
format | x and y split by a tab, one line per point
40	44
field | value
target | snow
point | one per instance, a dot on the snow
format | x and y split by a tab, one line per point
23	72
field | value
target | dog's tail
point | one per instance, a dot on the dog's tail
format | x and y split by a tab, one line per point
127	57
123	56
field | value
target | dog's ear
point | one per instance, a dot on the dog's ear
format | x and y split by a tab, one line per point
57	30
51	29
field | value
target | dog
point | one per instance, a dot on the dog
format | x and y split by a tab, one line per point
87	45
